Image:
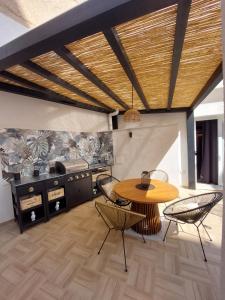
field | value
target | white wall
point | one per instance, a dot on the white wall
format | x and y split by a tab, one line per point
159	141
211	110
9	29
212	106
24	112
28	113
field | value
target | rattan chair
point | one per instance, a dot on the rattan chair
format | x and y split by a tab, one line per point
119	219
106	183
192	210
159	174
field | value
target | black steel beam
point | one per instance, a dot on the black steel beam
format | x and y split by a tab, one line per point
181	26
54	78
160	111
215	79
86	19
53	97
24	82
116	45
70	58
34	86
191	149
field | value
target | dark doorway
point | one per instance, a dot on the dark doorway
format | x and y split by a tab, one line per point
207	151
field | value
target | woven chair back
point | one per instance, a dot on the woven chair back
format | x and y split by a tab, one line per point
106	184
116	217
193	209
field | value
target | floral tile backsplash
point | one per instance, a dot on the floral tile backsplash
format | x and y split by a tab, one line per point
22	150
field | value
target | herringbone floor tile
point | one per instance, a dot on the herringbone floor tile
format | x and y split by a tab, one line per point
58	260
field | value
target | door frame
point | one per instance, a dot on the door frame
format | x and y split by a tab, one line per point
220	145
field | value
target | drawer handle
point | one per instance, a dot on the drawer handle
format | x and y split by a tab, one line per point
56	182
30	189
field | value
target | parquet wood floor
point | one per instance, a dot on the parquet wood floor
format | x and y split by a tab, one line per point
58	260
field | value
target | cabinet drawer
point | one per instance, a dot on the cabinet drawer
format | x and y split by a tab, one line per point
55	194
28	202
37	187
57	182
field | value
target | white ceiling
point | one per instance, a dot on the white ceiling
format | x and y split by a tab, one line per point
32	13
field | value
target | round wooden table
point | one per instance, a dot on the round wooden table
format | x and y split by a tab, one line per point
146	201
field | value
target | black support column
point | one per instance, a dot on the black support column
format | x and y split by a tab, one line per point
191	149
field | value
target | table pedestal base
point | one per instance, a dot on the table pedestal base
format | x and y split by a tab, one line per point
151	224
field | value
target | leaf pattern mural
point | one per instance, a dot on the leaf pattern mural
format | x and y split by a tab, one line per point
22	150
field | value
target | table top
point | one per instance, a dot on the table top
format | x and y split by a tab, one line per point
162	192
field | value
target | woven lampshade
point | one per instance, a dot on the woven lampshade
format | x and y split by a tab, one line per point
132	115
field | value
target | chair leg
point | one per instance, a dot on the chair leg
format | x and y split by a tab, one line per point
104	241
201	243
143	238
124	251
207	232
180	227
166	231
177	227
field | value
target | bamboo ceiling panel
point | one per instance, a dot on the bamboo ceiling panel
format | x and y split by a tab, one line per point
96	54
55	64
31	76
148	42
4	80
202	51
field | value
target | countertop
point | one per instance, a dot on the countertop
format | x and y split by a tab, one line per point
30	179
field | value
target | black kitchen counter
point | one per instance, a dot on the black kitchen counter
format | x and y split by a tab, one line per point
30	179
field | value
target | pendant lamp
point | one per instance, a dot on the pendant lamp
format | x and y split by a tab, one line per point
132	115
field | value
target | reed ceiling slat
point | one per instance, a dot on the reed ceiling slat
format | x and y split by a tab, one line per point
4	80
96	54
202	51
31	76
148	42
55	64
